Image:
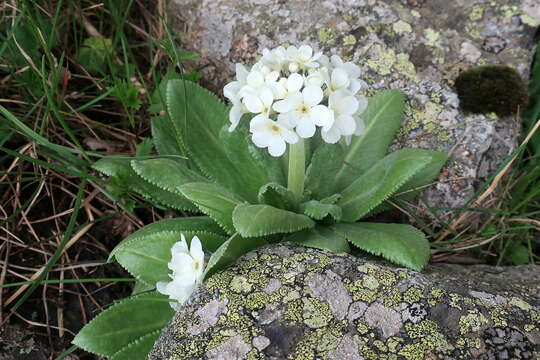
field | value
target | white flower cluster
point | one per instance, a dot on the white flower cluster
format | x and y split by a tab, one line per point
292	91
187	267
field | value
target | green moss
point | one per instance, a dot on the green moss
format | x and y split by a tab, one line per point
487	89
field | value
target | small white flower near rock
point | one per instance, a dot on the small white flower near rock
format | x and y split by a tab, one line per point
187	267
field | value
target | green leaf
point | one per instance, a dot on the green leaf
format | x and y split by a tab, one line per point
402	244
318	210
138	349
146	257
277	196
383	118
414	186
122	173
320	237
135	320
520	254
167	174
163	131
262	220
380	182
230	251
163	136
213	200
326	161
237	146
198	116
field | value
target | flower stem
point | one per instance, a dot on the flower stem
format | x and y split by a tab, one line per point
297	169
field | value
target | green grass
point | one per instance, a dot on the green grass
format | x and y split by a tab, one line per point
75	73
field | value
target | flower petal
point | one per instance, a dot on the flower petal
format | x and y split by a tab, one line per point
266	96
289	136
235	115
331	136
305	52
320	115
276	146
346	124
255	79
253	103
231	90
195	249
340	79
181	263
295	82
347	105
161	287
241	73
305	128
312	95
258	123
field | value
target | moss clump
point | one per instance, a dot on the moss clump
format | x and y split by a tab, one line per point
492	89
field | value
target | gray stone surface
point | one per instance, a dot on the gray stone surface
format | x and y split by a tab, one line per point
417	46
297	303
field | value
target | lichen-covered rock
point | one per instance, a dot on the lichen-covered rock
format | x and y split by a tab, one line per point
417	46
288	302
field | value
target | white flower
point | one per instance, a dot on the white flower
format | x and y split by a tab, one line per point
187	267
258	78
336	79
315	78
302	58
272	134
275	59
235	114
287	86
353	73
302	110
342	106
232	89
260	103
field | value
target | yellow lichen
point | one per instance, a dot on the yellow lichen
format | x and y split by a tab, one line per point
401	27
413	294
349	40
327	35
433	38
471	322
476	13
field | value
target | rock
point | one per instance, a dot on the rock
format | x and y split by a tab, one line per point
298	303
416	46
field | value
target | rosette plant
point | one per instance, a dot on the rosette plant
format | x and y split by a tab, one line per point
300	156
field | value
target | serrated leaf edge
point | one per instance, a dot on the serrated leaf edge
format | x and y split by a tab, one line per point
347	153
116	304
179	132
137	171
137	341
279	231
313	215
391	258
129	241
155	198
390	193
